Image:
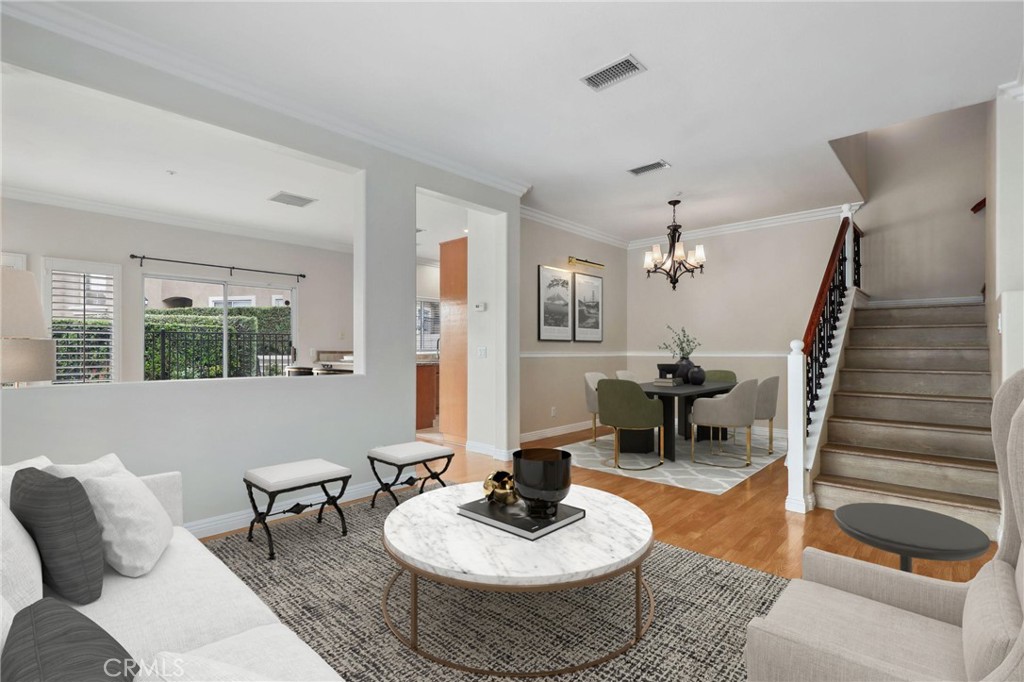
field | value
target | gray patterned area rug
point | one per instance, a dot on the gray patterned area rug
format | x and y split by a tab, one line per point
700	476
328	589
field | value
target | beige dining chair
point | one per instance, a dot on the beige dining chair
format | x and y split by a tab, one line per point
626	375
731	410
767	405
590	380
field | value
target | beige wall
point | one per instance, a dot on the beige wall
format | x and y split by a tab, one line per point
323	301
428	281
753	299
852	152
556	381
924	176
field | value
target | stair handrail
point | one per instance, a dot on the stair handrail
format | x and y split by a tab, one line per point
810	355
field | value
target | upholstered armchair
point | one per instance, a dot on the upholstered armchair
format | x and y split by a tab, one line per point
590	380
851	620
719	375
732	410
624	405
767	405
626	375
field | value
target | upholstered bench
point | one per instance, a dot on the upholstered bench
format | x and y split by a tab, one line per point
405	455
285	478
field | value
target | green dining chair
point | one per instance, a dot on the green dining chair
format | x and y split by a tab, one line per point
624	405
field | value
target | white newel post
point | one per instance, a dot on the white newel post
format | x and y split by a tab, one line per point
848	241
800	498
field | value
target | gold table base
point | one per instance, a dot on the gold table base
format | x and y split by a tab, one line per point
412	639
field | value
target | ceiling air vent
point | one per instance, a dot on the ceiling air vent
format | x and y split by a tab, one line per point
291	199
650	167
609	75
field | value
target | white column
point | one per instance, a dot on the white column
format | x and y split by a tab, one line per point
848	213
800	498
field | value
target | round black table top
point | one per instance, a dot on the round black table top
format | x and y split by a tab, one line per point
912	532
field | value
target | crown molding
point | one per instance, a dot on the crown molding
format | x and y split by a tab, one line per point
569	226
428	262
89	30
91	206
1014	89
758	224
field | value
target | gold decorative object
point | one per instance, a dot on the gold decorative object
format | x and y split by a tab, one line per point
500	487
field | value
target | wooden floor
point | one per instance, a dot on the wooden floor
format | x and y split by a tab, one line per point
747	525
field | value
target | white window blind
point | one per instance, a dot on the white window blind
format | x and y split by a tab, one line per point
83	304
428	325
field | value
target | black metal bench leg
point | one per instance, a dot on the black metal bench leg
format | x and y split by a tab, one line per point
263	522
255	509
333	501
436	475
384	487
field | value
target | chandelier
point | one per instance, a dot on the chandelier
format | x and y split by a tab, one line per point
676	262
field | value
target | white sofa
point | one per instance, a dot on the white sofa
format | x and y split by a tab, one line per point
189	603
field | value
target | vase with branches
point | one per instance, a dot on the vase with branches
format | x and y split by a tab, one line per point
681	344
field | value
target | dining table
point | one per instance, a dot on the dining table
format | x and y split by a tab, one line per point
678	400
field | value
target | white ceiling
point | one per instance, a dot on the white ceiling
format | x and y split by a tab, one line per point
740	98
78	147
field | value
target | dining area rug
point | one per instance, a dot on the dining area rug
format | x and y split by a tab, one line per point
700	476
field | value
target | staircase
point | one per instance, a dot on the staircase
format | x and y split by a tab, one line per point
911	411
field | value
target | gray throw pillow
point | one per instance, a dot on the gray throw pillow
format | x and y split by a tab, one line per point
51	641
57	514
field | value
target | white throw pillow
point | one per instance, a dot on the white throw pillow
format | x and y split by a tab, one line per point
7	615
21	571
191	668
136	528
103	466
7	473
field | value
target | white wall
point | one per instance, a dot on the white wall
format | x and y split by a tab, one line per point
1004	229
242	423
428	281
323	302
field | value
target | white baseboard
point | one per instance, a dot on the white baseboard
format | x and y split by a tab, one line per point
554	431
801	505
238	520
488	449
922	302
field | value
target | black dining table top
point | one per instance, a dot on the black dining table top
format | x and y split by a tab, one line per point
688	389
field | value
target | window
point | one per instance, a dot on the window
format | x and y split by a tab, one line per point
278	300
428	325
233	301
250	337
83	302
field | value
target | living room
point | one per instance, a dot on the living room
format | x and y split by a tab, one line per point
781	133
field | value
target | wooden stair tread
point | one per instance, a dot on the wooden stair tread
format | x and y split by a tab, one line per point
978	430
920	494
853	347
914	396
920	457
882	306
955	372
958	325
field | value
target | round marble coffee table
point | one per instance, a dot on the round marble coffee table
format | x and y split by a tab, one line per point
428	539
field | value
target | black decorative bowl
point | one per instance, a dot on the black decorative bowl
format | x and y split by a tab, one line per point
542	477
667	369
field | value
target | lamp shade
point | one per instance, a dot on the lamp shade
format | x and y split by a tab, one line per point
21	313
648	260
27	360
701	258
26	351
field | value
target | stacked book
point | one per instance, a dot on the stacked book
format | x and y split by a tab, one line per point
669	381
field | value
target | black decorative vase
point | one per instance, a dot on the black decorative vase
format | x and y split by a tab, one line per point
696	375
683	368
542	477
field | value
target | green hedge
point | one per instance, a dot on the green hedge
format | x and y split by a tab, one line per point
94	362
193	347
272	319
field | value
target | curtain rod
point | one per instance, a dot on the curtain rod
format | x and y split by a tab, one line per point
230	268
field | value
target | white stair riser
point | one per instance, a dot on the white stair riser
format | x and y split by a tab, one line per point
948	412
919	336
832	497
979	483
974	359
927	441
977	385
970	314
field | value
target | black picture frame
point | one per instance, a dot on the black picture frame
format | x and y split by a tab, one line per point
588	308
554	304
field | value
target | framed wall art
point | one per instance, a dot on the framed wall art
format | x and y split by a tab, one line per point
554	304
589	307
